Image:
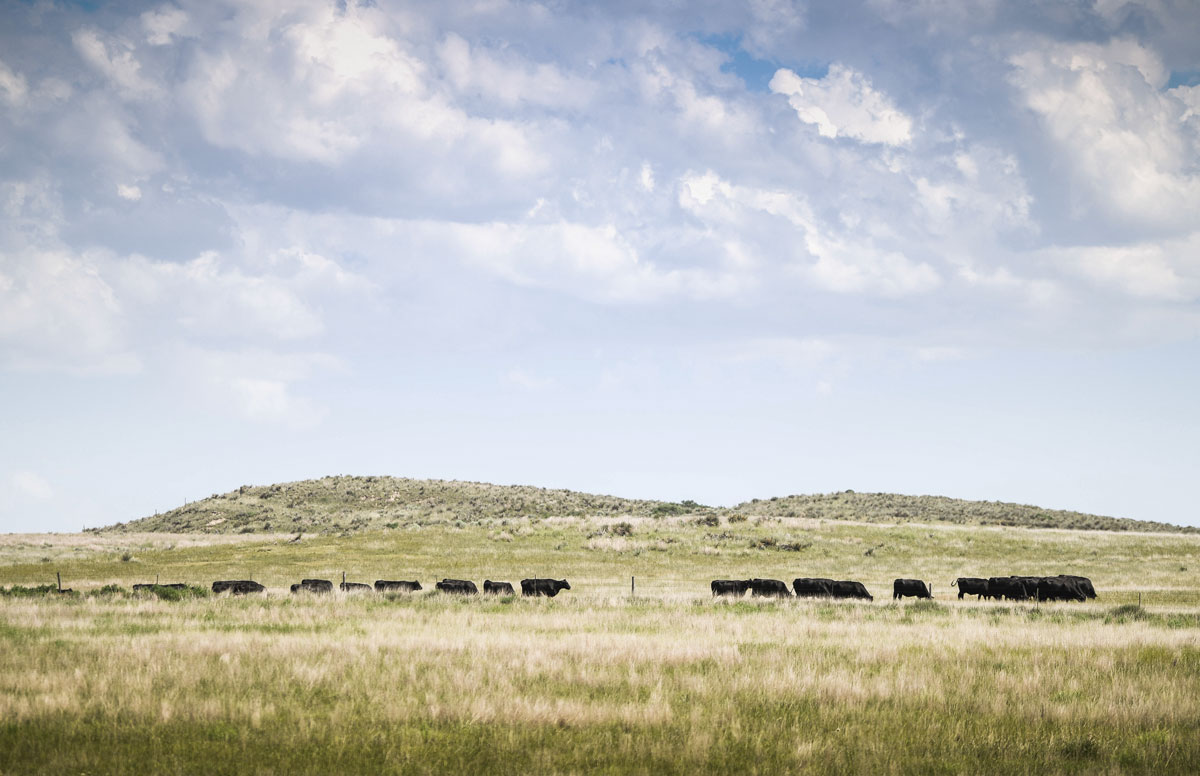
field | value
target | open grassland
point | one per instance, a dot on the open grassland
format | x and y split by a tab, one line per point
592	684
671	681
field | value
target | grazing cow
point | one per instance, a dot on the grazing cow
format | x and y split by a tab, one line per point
817	587
910	587
734	587
459	586
971	586
237	586
546	587
150	586
1051	589
354	587
313	586
849	589
1085	584
396	586
769	588
498	588
1008	588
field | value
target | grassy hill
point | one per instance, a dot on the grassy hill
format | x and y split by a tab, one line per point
347	505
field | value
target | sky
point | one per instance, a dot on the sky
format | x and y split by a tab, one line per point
678	250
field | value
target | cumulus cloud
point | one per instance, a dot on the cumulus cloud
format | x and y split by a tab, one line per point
1129	142
843	103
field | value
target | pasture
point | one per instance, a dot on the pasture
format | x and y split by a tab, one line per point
671	681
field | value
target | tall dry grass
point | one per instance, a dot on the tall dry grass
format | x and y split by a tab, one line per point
433	684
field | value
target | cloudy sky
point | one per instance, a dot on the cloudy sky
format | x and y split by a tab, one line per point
702	250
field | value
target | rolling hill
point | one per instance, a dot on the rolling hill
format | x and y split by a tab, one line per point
346	505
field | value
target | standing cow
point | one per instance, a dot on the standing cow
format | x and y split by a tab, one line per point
396	586
812	587
734	587
543	587
498	588
459	586
971	586
237	586
769	588
850	589
910	587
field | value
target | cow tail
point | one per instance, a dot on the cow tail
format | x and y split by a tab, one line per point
954	583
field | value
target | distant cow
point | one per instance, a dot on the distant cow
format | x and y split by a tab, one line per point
1008	588
849	589
971	586
354	587
769	588
498	588
459	586
910	587
237	586
546	587
734	587
1053	589
313	586
150	586
396	586
1085	584
812	587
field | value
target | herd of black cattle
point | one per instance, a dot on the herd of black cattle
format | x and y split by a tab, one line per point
1064	587
529	587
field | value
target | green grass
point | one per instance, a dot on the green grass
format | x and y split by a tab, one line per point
107	682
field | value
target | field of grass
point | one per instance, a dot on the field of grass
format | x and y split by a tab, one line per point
596	681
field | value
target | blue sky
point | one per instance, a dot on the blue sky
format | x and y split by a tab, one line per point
702	251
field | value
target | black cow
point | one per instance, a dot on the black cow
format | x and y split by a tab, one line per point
734	587
1008	588
849	589
150	586
237	586
396	586
459	586
1051	589
547	587
816	587
1085	584
769	588
313	586
971	586
354	587
498	588
910	587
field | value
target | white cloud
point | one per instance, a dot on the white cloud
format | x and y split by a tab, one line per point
58	312
162	24
257	385
13	86
593	262
836	259
844	103
1128	142
129	192
29	486
116	60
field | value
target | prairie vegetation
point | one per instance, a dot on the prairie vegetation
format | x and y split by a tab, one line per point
346	505
108	682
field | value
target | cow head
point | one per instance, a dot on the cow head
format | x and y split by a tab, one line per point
563	585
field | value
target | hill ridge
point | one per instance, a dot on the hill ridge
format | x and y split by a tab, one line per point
350	504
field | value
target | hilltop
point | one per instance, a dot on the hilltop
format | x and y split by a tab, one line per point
345	504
